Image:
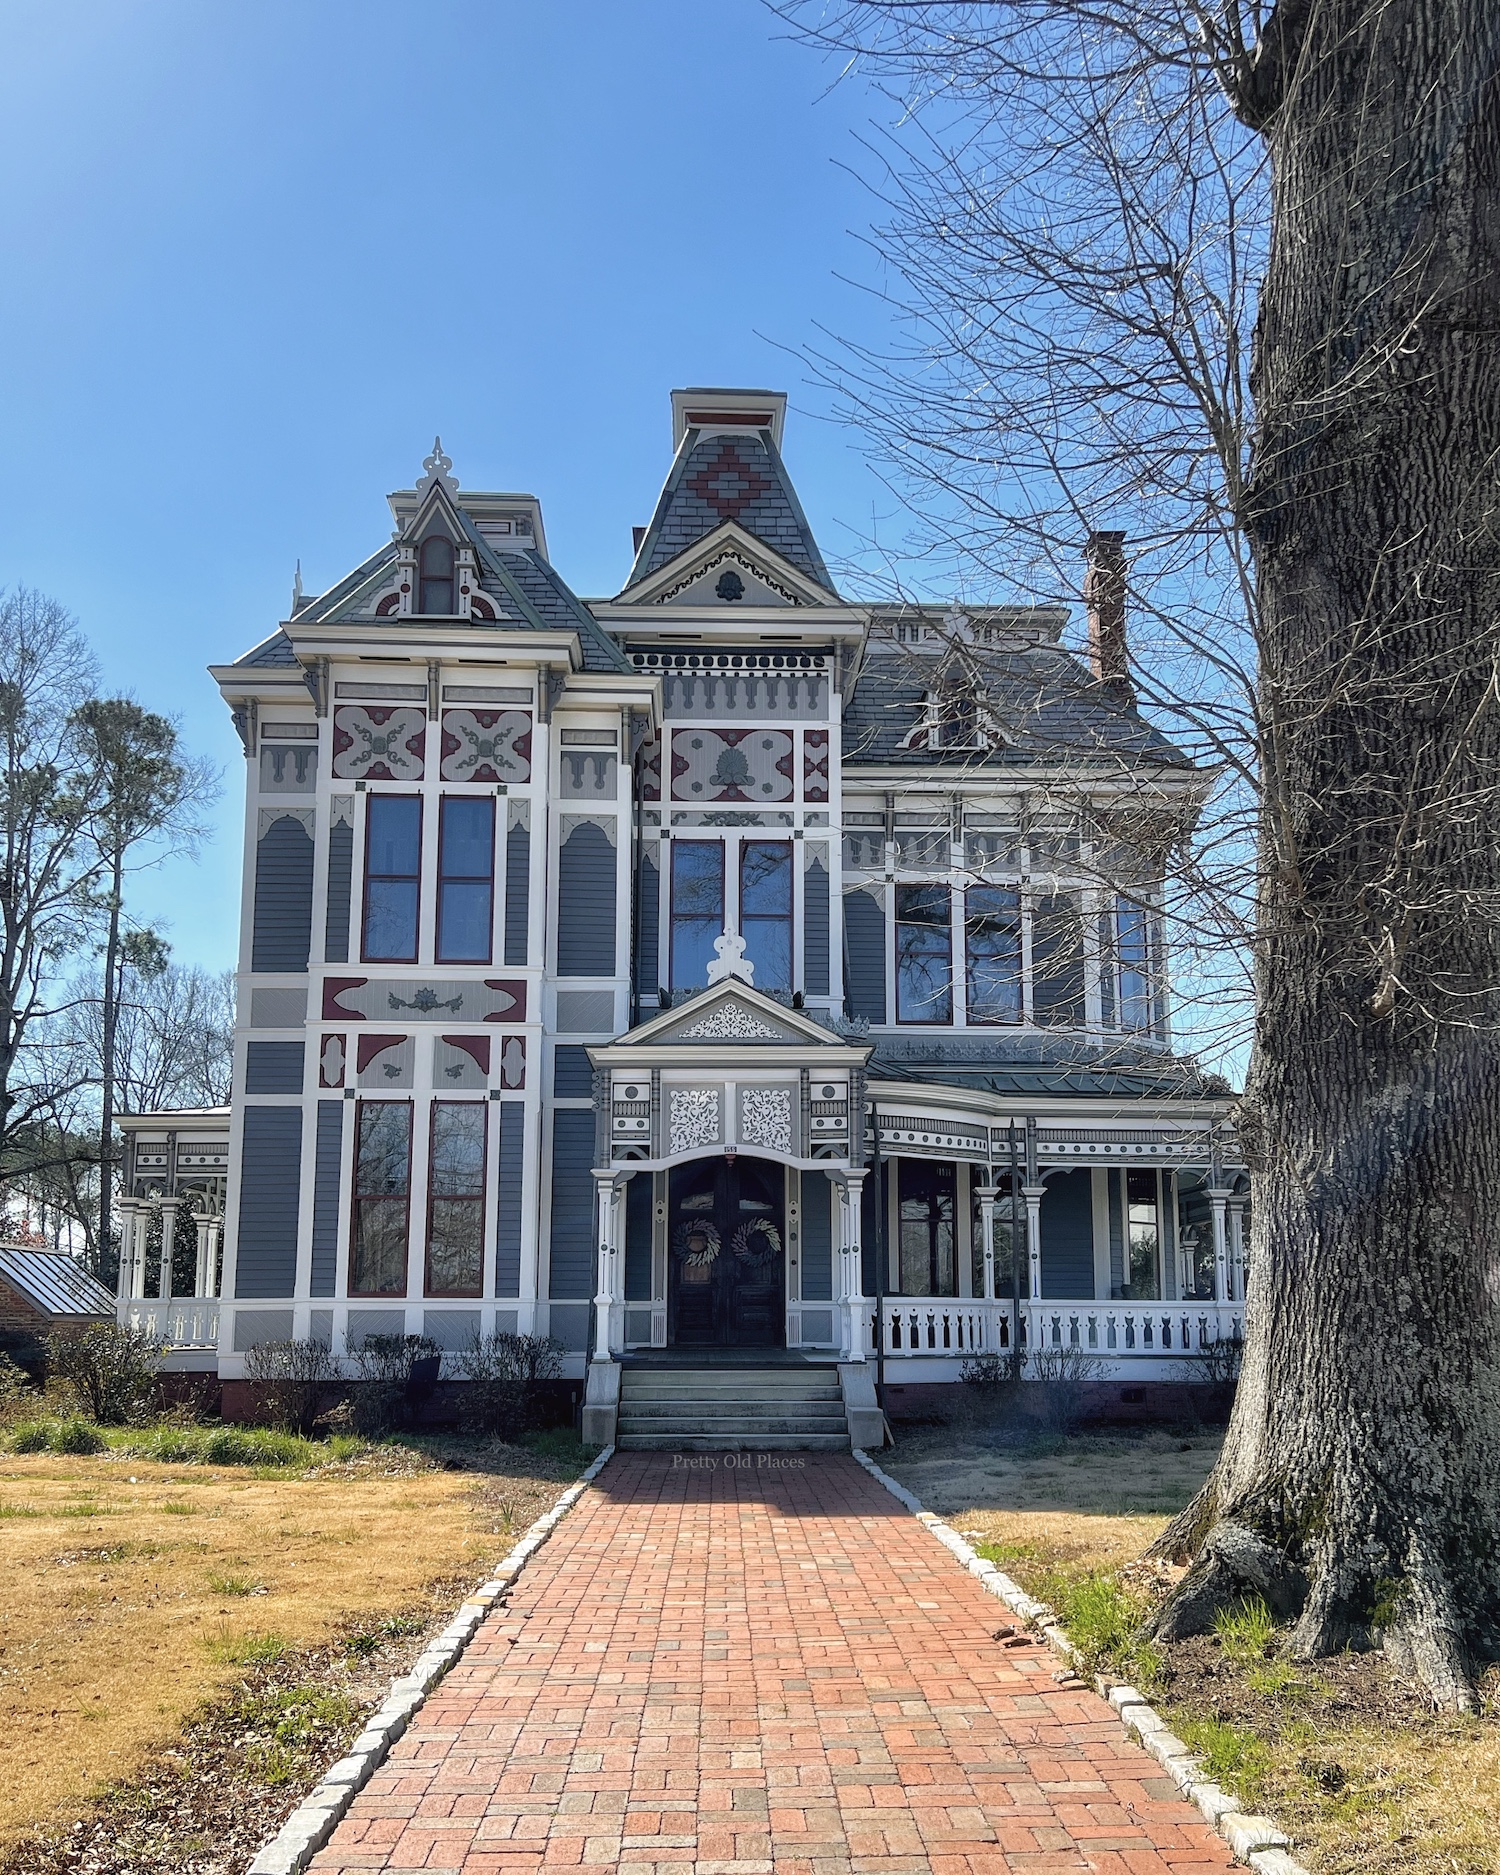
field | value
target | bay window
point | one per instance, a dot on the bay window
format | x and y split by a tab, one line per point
466	879
382	1197
455	1198
393	871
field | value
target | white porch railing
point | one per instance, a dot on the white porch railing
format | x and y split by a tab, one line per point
933	1325
185	1322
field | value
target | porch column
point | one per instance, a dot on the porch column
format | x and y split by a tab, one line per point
203	1280
608	1335
1237	1247
168	1242
1218	1197
142	1223
987	1237
125	1278
854	1334
1033	1194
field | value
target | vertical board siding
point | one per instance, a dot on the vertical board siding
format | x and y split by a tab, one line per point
647	927
512	1158
638	1209
273	1067
586	903
815	930
340	894
281	925
1067	1224
270	1176
817	1238
328	1156
864	956
572	1269
517	895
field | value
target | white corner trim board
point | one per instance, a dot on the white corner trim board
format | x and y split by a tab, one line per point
1255	1840
317	1816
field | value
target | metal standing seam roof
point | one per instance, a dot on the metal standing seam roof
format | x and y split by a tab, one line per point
53	1282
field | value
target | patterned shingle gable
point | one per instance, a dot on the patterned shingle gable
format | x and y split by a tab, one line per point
722	477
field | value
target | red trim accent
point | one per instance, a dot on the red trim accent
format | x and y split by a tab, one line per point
476	1047
333	989
367	1047
740	419
515	988
404	1200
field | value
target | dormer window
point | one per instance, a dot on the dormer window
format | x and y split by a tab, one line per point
435	575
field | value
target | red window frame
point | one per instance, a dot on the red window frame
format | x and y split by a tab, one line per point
357	1201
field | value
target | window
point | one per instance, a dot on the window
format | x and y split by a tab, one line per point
1057	980
466	879
382	1192
435	575
766	911
926	1248
924	954
1144	1233
455	1199
992	945
1133	950
393	868
697	909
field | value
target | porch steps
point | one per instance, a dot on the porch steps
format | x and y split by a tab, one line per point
732	1409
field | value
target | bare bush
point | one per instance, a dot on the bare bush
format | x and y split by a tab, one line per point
294	1378
111	1370
504	1373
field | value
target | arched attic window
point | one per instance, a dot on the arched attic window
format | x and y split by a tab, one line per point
435	575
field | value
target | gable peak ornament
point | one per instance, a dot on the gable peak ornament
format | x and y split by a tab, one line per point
730	959
437	466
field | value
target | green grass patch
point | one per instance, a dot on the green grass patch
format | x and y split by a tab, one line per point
259	1448
288	1727
1231	1755
1101	1614
234	1585
73	1436
1247	1632
367	1641
20	1510
246	1650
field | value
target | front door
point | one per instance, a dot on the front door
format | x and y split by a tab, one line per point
726	1282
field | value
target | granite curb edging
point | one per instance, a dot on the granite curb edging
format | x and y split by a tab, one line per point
320	1812
1254	1840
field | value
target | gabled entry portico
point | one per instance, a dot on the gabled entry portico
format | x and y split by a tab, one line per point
729	1161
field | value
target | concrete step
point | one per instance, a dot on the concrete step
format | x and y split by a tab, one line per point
691	1425
825	1396
731	1380
685	1403
760	1442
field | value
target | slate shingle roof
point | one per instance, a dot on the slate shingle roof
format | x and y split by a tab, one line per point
717	478
275	650
1043	702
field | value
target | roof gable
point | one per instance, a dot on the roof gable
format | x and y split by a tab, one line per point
731	1012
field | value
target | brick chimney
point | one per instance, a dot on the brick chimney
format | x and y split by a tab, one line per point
1104	596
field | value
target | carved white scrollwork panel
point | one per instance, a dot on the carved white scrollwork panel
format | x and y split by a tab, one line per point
766	1117
693	1119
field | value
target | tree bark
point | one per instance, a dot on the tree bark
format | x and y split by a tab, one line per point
109	1016
1365	1439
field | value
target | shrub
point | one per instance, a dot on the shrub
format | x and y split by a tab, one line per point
33	1435
111	1370
387	1366
76	1436
504	1373
1062	1374
16	1390
294	1377
226	1445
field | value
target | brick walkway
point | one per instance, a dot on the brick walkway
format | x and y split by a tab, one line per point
757	1671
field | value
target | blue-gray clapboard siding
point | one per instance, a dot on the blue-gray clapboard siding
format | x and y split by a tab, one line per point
586	903
815	930
281	925
1116	1231
638	1206
270	1178
572	1269
572	1073
1067	1223
273	1068
517	894
647	927
864	956
817	1238
327	1159
340	893
512	1156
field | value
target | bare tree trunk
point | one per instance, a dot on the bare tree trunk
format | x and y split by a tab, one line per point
1360	1482
109	1023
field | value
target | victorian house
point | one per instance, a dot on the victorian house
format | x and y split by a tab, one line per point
725	978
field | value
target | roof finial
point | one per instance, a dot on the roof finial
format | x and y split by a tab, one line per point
296	589
437	466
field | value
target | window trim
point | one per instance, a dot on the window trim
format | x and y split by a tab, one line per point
367	876
355	1200
482	1108
788	918
971	1020
1126	906
449	579
675	847
439	956
942	1020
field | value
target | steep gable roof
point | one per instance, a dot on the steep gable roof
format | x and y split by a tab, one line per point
723	475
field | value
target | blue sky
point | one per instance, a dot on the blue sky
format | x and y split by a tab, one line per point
256	254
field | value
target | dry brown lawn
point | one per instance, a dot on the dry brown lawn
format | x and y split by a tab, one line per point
1364	1779
131	1589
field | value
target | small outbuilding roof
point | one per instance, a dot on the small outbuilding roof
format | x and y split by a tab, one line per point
53	1283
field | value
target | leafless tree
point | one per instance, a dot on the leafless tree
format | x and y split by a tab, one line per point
1089	201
